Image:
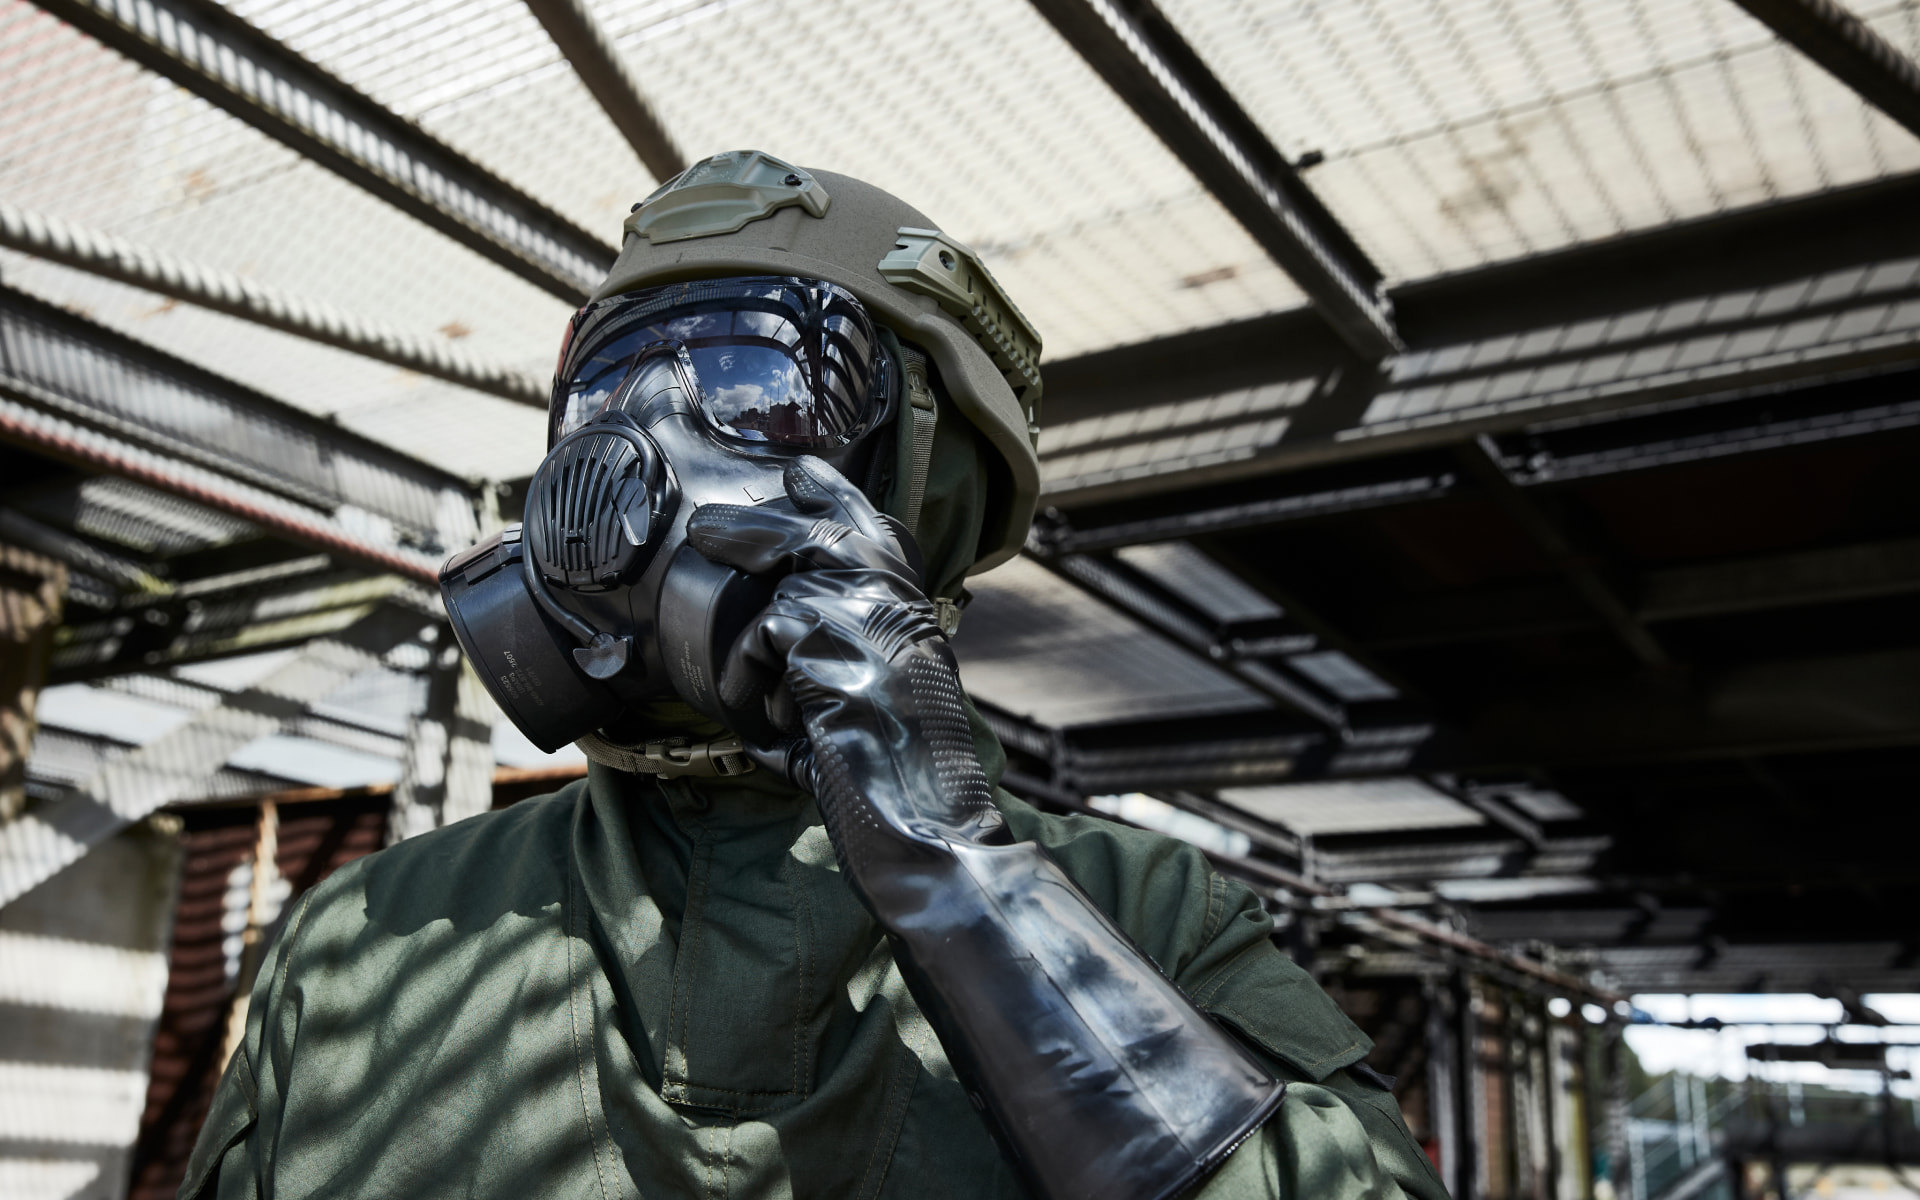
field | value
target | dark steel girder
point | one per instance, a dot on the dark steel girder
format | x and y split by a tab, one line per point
1800	705
127	392
1853	53
206	619
1537	455
218	56
1754	584
1139	53
1736	305
1820	703
1481	460
1127	589
571	25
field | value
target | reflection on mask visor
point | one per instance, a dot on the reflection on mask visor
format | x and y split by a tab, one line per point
775	361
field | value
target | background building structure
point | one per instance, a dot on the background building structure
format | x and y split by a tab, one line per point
1482	502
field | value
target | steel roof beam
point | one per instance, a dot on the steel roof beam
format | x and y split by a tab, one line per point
571	25
1732	305
1755	708
116	258
68	367
47	434
1293	889
1139	597
1481	460
1851	52
1865	404
81	555
1761	708
184	627
224	60
1758	584
1140	54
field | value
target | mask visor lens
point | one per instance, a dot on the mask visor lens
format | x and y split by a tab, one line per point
775	361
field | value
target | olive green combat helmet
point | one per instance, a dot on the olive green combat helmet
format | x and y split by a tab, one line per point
745	212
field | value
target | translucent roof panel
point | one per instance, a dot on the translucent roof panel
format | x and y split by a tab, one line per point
484	77
1353	806
1460	132
91	138
984	118
1043	649
470	433
1182	568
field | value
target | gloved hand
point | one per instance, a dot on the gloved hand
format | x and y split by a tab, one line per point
1096	1073
886	743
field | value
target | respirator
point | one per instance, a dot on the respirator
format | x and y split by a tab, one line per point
664	400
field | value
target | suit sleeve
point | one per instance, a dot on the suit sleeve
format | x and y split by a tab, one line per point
1314	1145
230	1159
1337	1132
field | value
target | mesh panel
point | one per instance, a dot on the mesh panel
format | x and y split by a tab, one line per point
1459	132
992	125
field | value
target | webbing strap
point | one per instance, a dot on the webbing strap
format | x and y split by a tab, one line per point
670	757
925	416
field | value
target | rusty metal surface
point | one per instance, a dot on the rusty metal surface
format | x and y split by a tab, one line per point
314	840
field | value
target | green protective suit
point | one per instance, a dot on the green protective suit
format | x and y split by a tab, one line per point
646	988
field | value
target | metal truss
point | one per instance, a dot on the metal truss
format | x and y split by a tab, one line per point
57	832
63	759
50	435
1725	713
1480	458
1783	706
116	258
102	567
58	363
1513	463
1287	885
573	28
1743	585
1730	307
1167	614
1850	50
240	613
214	54
1144	59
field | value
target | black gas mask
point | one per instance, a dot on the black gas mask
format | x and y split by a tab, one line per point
664	400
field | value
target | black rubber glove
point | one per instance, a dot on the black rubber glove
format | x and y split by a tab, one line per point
1097	1075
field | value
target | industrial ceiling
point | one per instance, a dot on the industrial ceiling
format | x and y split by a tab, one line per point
1481	453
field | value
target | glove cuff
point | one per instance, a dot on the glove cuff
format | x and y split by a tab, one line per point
1096	1074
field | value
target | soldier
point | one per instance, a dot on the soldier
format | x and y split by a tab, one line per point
787	938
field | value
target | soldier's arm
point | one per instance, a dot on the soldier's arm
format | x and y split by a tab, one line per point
1338	1133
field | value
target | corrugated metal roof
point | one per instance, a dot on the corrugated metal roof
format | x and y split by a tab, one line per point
1353	806
1462	132
1038	647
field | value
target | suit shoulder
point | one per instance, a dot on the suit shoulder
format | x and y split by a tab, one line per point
516	856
